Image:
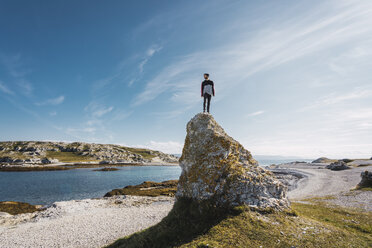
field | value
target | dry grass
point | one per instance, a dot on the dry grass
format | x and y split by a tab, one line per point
69	156
312	225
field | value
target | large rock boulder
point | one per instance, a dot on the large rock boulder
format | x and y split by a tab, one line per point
217	169
339	165
366	179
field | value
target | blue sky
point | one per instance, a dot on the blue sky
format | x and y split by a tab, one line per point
291	77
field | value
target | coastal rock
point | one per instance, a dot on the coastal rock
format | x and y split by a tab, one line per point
346	160
218	169
366	179
339	165
20	152
45	161
323	160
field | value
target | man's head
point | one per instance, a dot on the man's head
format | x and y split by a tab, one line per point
206	75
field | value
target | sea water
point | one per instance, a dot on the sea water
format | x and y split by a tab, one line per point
46	187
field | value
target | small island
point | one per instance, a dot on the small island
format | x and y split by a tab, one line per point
46	155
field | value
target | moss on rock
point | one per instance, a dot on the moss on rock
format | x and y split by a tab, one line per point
215	166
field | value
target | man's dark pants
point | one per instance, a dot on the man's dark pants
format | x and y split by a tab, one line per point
207	97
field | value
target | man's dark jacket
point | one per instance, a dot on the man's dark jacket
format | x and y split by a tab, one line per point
207	82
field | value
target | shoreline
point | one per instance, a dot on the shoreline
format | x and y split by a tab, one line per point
318	181
83	223
71	166
65	223
331	187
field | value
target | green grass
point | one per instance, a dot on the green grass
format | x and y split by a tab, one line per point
308	225
364	188
69	156
145	153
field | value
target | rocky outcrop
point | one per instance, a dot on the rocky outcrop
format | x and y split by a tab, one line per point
36	152
323	160
337	166
147	188
218	169
366	180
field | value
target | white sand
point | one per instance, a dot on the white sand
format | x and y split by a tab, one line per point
83	223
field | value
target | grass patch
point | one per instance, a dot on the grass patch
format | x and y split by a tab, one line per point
145	153
363	188
312	226
147	188
69	156
13	208
321	198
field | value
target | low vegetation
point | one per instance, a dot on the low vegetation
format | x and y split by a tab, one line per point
69	156
145	153
13	207
308	225
147	188
13	155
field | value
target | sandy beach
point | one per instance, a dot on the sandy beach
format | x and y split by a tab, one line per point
101	221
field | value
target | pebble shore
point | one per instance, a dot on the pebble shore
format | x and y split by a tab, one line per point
83	223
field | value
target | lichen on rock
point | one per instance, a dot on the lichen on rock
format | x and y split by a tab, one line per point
218	169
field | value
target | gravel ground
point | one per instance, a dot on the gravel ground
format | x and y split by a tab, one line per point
354	199
83	223
319	182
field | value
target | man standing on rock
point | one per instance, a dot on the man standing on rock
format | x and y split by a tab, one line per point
207	90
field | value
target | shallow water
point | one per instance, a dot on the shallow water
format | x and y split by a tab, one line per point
45	187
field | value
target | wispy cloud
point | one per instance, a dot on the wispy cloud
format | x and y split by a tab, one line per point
25	86
103	111
74	131
149	53
97	110
15	67
276	44
171	147
260	112
5	88
52	101
357	93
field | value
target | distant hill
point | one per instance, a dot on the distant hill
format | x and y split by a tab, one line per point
46	152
